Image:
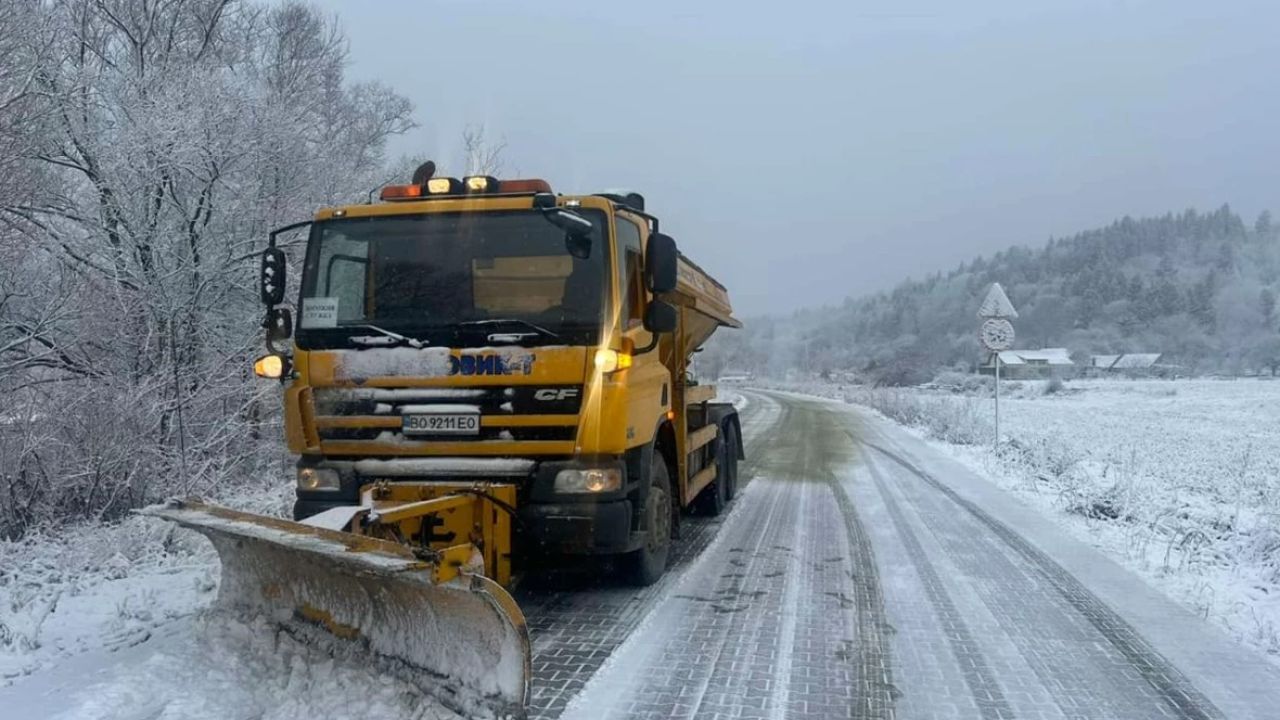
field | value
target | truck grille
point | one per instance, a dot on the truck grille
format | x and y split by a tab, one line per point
353	416
521	400
486	433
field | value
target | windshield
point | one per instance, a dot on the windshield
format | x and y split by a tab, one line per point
452	279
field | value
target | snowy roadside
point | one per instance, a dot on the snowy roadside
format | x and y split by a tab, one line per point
731	396
110	621
89	587
1177	480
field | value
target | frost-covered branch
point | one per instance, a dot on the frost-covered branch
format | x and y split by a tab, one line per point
146	149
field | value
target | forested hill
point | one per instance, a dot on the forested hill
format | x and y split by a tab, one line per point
1199	287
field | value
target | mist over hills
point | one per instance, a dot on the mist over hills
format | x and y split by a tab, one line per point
1199	287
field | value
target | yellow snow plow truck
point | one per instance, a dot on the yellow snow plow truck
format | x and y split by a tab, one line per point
484	374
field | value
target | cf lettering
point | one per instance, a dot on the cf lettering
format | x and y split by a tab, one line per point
553	394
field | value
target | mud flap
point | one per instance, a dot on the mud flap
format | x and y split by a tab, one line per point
463	640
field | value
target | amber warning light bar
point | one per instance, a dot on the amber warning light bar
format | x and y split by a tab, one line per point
425	186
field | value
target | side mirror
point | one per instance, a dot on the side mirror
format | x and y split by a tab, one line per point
577	229
578	246
660	262
272	276
279	326
660	317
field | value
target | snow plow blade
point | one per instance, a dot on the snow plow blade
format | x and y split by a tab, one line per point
459	637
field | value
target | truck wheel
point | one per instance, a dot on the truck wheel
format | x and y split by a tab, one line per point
731	460
648	563
714	497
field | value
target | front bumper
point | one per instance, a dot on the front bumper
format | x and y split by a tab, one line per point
549	523
590	528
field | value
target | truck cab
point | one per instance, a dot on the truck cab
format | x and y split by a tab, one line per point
481	332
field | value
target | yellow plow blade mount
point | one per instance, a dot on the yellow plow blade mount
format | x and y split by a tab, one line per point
462	640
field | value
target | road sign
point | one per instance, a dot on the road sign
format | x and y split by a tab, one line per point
996	304
996	334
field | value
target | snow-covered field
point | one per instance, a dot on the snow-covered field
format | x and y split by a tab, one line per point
1179	480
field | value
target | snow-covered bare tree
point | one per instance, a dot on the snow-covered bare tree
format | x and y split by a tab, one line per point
172	136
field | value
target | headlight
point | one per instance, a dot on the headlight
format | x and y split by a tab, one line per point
318	479
608	361
272	366
590	480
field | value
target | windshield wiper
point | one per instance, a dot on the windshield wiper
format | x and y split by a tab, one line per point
388	337
511	321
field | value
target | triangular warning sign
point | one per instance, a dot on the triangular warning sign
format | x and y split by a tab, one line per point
997	304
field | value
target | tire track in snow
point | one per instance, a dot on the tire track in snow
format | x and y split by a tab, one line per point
575	629
670	664
860	683
701	626
788	613
721	665
866	690
975	669
1171	685
654	656
804	638
874	689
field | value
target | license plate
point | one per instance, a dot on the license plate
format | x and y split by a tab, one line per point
441	424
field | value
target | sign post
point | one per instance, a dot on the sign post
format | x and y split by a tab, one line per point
996	334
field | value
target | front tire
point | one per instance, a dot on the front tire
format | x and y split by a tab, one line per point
648	563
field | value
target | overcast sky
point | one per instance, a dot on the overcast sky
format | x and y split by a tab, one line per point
806	151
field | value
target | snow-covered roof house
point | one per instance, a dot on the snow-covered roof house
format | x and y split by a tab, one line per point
1046	356
1034	362
1136	361
1103	362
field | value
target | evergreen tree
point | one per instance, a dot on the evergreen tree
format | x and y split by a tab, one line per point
1198	287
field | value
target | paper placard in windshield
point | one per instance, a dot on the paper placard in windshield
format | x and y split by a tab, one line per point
320	312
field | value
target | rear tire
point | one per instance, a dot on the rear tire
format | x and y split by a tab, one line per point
647	564
714	497
733	443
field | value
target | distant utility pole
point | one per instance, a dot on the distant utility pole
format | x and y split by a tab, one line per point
996	334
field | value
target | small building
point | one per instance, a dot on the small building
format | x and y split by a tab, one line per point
1129	364
735	377
1136	361
1045	362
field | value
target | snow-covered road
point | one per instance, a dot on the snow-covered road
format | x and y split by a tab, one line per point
860	573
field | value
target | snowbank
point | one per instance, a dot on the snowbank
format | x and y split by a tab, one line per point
112	621
90	587
218	667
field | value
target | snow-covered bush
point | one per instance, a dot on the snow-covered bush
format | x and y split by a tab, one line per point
954	420
964	383
71	587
